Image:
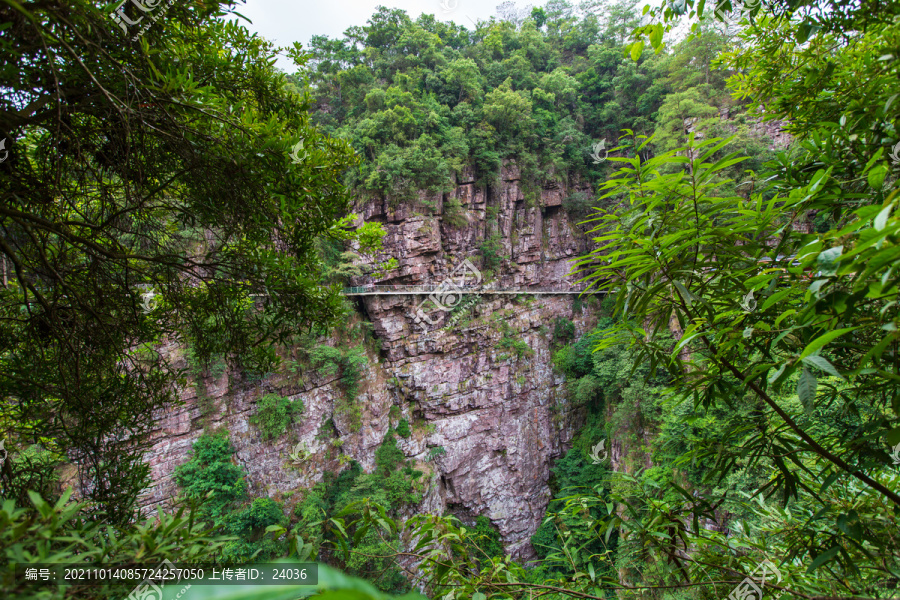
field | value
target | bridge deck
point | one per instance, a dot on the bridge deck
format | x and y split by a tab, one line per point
424	290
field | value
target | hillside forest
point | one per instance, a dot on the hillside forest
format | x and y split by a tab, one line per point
179	211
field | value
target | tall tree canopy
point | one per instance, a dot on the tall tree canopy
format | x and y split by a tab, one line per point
168	188
424	100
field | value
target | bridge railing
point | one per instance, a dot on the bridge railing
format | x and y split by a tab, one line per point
428	289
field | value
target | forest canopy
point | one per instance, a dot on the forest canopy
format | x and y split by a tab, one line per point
422	100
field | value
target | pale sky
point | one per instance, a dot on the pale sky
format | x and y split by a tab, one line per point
288	21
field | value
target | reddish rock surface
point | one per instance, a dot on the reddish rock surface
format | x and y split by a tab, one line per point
502	419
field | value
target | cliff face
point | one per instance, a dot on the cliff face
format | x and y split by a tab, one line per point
481	389
540	241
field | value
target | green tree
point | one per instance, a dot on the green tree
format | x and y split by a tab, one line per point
675	249
210	471
539	16
681	113
167	166
464	75
508	111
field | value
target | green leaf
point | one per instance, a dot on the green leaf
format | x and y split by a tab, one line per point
816	285
637	48
876	176
776	297
822	364
686	337
688	297
881	219
773	377
828	481
823	558
828	262
849	524
656	36
822	340
893	436
360	533
806	389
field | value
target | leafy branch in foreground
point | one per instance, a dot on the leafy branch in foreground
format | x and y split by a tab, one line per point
150	195
450	561
66	533
760	305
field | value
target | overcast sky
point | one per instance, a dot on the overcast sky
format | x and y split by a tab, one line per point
288	21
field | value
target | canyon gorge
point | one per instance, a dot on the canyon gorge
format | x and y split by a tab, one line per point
500	418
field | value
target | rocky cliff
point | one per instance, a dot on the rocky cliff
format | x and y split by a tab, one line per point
489	415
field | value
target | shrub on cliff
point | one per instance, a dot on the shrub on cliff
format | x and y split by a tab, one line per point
274	413
484	541
572	475
349	362
490	252
341	498
210	470
454	213
403	428
563	330
249	525
212	480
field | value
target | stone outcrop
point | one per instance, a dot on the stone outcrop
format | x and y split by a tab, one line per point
488	413
774	131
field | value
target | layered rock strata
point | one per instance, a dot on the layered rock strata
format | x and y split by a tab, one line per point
488	413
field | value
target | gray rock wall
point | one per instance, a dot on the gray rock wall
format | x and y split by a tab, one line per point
501	418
